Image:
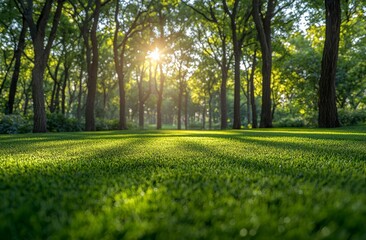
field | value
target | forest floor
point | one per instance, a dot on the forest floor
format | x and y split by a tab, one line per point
250	184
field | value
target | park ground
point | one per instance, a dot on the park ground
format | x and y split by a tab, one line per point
244	184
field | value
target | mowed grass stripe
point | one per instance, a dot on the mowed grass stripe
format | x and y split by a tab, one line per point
257	184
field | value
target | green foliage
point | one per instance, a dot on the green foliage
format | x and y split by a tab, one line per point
56	122
349	118
289	122
11	124
106	124
257	184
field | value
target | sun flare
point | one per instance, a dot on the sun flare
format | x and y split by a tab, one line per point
155	55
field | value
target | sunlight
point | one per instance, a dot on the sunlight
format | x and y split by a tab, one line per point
155	55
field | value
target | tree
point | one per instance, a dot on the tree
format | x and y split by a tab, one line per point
87	16
251	90
42	48
237	37
120	42
328	116
14	79
92	66
217	46
263	26
143	94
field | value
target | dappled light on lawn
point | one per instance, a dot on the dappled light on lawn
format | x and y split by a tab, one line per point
277	184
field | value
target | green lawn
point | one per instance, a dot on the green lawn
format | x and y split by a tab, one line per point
249	184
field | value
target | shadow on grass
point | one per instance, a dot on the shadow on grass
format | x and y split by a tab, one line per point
42	200
316	172
46	199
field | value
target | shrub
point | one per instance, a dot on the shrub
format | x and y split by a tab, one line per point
56	122
195	125
289	122
348	118
106	124
12	124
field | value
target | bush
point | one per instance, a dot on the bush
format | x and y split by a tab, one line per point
134	125
349	118
56	122
12	124
106	124
196	125
290	122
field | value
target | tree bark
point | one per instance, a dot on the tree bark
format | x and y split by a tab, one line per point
92	72
186	109
252	97
160	98
180	100
41	55
80	92
143	96
210	111
54	104
263	26
237	53
119	66
204	115
14	80
328	116
39	117
223	95
63	92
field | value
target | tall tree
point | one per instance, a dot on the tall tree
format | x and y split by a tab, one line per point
162	42
42	48
87	16
143	94
328	116
14	79
252	90
218	48
120	42
237	37
263	26
92	68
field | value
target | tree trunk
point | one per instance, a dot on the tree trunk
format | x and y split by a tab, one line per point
26	100
237	119
186	109
248	101
63	92
328	116
141	113
56	104
263	26
180	98
14	80
210	111
141	101
41	54
66	74
39	111
122	98
223	97
160	98
92	72
119	66
237	53
78	110
252	97
204	116
52	103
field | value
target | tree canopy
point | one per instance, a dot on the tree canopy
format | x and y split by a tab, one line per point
89	65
